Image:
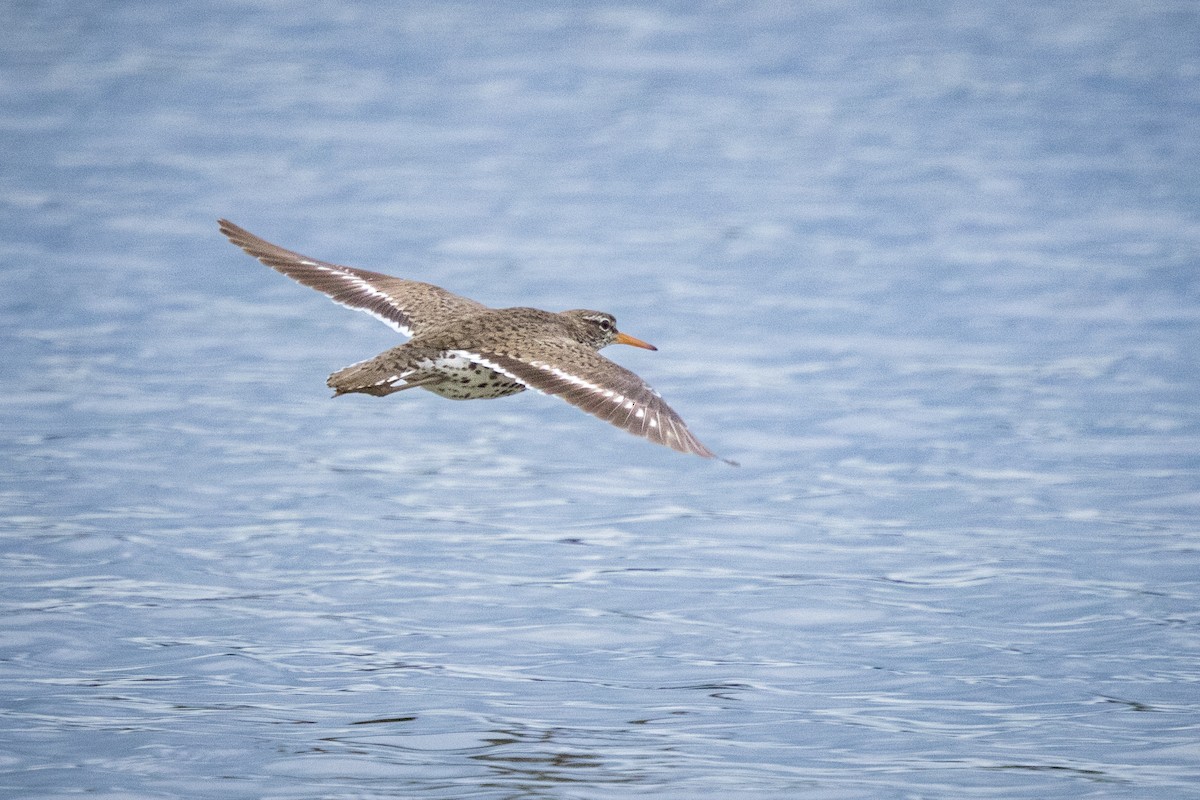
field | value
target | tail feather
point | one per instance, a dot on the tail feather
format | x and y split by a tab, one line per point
375	376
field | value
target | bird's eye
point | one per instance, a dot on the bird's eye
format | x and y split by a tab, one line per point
605	325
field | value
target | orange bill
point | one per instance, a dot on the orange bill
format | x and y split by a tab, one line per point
624	338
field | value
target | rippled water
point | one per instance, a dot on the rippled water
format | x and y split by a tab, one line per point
930	272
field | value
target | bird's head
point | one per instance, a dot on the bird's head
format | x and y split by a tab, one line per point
598	329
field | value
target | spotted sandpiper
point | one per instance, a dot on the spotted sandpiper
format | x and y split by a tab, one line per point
464	350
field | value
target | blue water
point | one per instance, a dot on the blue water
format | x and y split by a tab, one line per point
929	271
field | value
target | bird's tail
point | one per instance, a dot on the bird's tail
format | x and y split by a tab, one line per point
378	376
371	377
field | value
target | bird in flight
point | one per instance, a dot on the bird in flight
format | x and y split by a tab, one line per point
464	350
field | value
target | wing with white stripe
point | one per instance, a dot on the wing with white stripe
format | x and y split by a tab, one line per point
407	306
602	388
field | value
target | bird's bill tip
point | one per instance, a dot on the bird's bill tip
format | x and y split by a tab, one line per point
624	338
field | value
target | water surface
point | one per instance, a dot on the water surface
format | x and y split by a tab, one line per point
928	271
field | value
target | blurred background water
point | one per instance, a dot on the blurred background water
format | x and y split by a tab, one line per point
930	271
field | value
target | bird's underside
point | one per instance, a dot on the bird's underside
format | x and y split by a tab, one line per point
463	350
452	376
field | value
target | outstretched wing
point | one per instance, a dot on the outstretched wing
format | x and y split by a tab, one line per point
407	306
603	388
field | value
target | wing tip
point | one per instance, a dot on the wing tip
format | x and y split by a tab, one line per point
240	237
693	445
228	228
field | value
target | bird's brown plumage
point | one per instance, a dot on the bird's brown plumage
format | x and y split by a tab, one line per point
464	350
